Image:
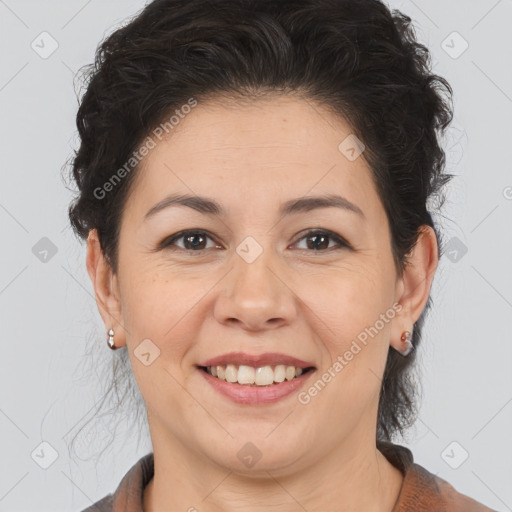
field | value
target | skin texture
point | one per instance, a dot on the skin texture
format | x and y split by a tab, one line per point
293	299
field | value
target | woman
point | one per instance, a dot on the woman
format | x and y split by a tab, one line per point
253	183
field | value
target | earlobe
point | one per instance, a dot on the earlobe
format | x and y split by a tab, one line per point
104	284
415	285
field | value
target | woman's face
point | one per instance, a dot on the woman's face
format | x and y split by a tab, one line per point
253	280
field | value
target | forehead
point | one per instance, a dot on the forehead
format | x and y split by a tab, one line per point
261	150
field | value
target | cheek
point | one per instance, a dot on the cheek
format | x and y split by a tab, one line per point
353	321
154	307
345	302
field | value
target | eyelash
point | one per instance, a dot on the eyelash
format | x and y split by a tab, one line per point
342	244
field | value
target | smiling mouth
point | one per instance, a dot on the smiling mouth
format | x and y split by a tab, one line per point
250	376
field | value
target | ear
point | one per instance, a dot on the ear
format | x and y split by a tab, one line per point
106	288
413	287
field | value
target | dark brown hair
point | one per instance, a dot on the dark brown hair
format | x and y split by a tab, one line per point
356	57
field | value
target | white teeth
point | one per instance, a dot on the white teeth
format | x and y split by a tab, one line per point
231	373
245	375
290	372
280	373
264	376
248	375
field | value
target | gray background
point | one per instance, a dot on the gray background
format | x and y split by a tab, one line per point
46	298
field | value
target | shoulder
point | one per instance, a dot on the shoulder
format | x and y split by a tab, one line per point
426	492
104	505
129	493
423	491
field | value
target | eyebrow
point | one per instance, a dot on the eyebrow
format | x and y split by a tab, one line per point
293	206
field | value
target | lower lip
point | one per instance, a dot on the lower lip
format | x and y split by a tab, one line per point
254	395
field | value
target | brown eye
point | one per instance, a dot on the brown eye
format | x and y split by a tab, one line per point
318	241
197	240
193	241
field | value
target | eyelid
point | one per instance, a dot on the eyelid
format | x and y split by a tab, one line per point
341	241
169	240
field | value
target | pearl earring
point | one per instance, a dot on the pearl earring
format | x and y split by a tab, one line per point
110	340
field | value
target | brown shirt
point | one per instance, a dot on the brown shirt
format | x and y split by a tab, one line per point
421	490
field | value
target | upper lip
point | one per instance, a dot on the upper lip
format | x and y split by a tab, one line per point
256	360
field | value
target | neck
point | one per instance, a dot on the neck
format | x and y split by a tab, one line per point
354	477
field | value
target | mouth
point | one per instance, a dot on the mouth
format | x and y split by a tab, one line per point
261	376
255	379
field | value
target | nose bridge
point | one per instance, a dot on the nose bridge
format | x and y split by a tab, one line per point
254	264
255	293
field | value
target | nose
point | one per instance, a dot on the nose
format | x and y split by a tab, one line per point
256	296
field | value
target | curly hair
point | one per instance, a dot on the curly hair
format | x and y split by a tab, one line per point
356	57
